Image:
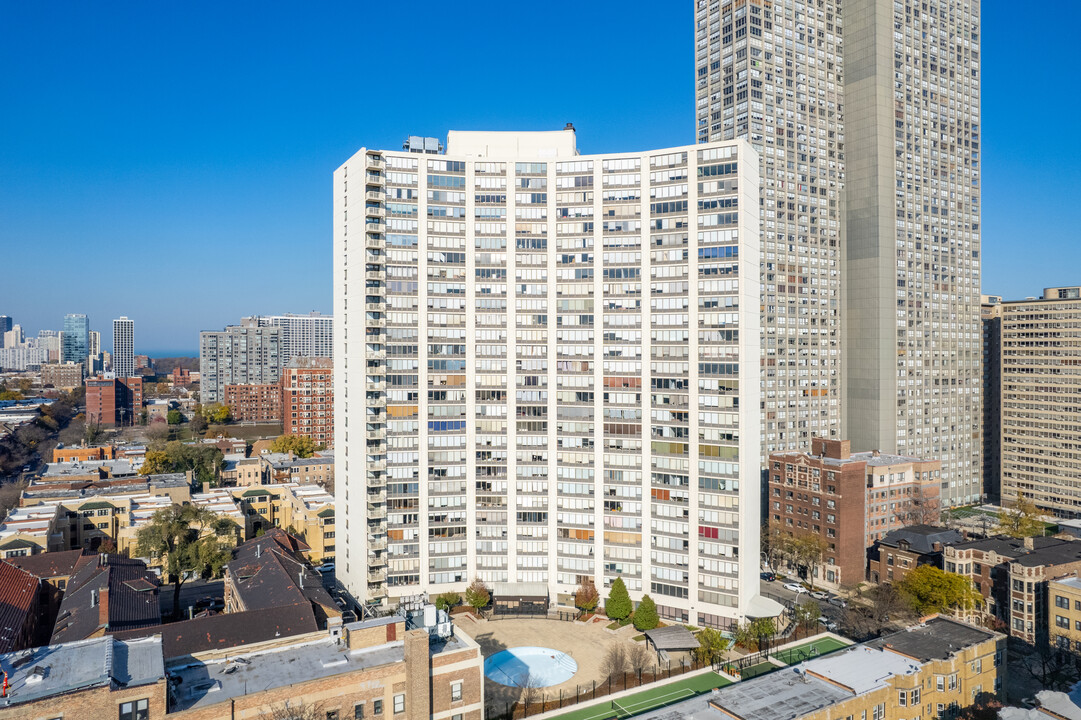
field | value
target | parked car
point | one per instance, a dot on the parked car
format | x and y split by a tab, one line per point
325	568
768	576
820	595
794	587
828	624
838	602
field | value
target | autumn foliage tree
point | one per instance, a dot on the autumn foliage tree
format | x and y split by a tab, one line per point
477	595
931	590
301	446
587	597
1022	520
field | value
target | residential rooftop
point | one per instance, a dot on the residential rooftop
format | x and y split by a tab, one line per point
98	662
921	538
1071	582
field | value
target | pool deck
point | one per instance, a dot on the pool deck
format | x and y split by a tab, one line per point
586	643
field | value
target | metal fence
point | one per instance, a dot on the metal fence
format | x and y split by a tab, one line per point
535	701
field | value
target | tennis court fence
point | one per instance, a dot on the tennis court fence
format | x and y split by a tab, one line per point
534	701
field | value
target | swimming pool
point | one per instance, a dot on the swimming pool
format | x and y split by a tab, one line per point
530	666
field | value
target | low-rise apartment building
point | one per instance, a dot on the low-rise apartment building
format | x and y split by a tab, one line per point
112	401
932	670
63	454
898	552
849	500
1012	576
1064	613
62	376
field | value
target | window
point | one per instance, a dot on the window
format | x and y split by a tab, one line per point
138	710
940	683
902	697
1062	622
377	707
914	697
455	692
332	715
953	681
879	712
358	711
940	709
1062	602
399	703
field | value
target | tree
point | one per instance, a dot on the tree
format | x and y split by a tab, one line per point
985	707
639	658
763	629
173	417
587	597
158	433
645	617
744	635
204	461
619	605
477	595
7	395
776	544
9	496
931	590
808	550
294	710
1022	520
198	424
614	662
301	446
190	541
711	646
92	431
155	462
807	613
217	414
448	600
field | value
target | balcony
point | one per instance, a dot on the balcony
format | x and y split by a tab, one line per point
374	546
373	241
375	355
377	576
377	498
374	275
376	226
372	211
374	161
373	196
377	513
374	178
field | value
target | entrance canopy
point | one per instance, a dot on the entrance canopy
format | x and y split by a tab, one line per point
671	639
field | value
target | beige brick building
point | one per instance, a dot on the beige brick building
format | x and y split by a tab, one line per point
1040	400
1064	613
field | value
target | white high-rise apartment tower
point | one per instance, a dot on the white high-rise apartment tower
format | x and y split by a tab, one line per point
770	73
866	117
547	371
913	336
310	335
123	347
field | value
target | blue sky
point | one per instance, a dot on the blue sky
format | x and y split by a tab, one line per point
172	161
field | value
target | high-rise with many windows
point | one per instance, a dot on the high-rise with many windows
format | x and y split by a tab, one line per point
310	335
770	72
547	370
75	342
244	354
124	347
913	332
866	119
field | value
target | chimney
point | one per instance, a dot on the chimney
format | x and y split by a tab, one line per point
569	126
103	607
300	578
258	550
875	453
1030	543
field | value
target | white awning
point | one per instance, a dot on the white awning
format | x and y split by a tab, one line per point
764	607
513	591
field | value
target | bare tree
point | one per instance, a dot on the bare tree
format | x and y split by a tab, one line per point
614	663
294	710
639	658
532	692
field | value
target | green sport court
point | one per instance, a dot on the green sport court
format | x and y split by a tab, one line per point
809	651
649	699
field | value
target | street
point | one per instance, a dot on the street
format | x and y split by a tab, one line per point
776	591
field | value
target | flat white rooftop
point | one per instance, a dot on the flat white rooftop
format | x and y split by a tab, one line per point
544	144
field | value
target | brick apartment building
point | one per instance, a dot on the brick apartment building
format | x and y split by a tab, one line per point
849	500
114	401
83	454
1064	613
64	376
898	552
308	399
1012	575
255	403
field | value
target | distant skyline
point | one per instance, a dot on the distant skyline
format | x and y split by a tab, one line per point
173	163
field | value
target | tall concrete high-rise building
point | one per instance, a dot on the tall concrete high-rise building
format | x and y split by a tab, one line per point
6	323
771	73
124	347
310	335
94	364
866	118
991	315
244	354
1039	401
547	371
75	342
912	234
